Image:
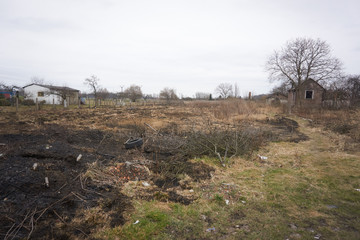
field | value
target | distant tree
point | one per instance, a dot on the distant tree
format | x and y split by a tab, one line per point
301	59
283	89
37	80
224	89
63	92
236	91
133	92
103	93
352	88
93	84
168	94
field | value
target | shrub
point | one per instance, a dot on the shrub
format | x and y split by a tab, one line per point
28	102
4	102
224	143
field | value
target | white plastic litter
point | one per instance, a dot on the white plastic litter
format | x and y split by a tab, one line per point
262	157
146	184
227	202
79	157
136	222
357	189
46	181
35	165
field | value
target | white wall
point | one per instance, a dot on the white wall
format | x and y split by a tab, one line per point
31	92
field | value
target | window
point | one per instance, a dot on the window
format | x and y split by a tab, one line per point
40	94
309	94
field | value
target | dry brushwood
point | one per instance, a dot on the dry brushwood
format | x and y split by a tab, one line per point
221	143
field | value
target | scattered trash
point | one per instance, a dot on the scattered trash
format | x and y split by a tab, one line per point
132	143
191	190
211	229
262	157
35	165
146	184
331	206
46	181
48	146
237	226
79	157
2	144
317	236
357	189
243	202
136	222
227	202
1	154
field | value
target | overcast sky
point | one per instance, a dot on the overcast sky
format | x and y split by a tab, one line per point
191	46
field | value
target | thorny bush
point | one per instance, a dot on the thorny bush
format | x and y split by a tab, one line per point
223	142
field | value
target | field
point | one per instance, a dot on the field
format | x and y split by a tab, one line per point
206	170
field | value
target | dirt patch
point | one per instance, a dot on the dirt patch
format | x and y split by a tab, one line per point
281	128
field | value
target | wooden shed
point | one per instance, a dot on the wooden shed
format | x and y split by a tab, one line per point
309	94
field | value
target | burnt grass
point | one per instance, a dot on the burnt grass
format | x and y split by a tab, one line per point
31	209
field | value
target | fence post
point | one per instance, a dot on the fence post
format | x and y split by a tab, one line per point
37	104
17	104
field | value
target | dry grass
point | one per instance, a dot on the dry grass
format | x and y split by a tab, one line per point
236	109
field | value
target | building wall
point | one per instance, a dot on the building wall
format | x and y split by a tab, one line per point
32	92
317	94
74	97
301	98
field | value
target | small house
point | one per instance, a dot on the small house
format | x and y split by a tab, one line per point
309	94
276	98
51	94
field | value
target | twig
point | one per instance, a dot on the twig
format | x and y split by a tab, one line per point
47	208
148	125
78	196
63	221
6	236
32	224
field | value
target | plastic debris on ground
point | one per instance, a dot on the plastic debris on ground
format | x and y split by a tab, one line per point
146	184
262	157
211	229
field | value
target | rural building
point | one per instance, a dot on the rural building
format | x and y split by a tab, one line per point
310	94
51	94
6	93
276	98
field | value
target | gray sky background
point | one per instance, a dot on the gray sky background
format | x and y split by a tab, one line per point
191	46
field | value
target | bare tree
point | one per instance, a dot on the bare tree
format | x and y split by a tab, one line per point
168	94
37	80
133	92
281	89
103	93
352	88
301	59
224	89
93	84
236	91
63	92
